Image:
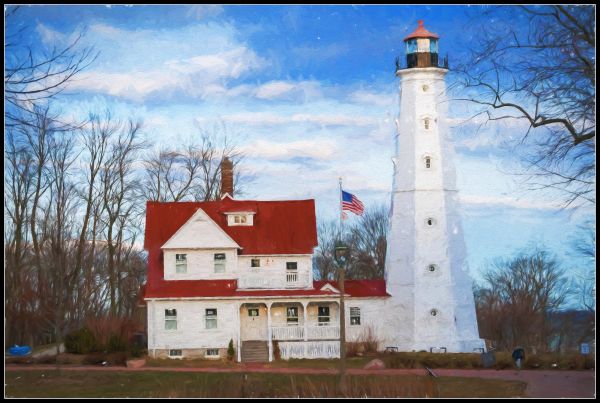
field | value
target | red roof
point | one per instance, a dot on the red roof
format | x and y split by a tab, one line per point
280	227
228	288
421	32
359	288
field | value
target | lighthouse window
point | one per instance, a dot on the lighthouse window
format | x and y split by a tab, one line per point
427	162
430	221
425	88
433	312
426	123
431	267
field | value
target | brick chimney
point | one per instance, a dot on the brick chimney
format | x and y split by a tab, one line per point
226	177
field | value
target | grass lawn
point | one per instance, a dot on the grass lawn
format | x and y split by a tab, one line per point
51	383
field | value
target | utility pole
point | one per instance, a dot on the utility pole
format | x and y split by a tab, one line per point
341	258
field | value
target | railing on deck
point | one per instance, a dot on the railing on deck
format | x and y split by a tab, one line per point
288	332
271	281
309	349
323	332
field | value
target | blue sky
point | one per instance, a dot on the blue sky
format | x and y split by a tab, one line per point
308	93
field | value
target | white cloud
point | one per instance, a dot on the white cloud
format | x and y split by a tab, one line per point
320	149
507	201
302	90
268	119
201	11
197	76
373	98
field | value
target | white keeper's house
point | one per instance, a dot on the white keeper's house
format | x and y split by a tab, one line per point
241	270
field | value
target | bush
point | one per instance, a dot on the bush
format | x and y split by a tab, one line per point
230	351
353	348
80	341
116	343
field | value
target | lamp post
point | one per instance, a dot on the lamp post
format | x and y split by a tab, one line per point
341	257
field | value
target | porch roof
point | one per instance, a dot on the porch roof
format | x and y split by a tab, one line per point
228	288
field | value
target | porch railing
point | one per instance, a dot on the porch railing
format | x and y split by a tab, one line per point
309	349
273	281
288	332
323	332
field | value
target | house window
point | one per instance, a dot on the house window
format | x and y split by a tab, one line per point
255	263
252	311
170	319
291	273
426	123
212	352
292	315
211	318
175	353
323	316
180	263
219	263
240	219
427	162
354	315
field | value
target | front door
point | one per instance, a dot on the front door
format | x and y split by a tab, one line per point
254	323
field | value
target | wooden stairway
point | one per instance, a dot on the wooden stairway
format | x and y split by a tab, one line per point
255	351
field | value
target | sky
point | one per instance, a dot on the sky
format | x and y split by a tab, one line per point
309	94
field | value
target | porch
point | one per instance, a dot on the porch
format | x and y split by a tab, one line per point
308	329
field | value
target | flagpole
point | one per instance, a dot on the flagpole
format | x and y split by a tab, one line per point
341	209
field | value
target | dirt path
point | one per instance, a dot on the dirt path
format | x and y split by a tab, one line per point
540	383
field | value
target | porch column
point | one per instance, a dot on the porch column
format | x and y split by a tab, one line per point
269	331
304	310
239	334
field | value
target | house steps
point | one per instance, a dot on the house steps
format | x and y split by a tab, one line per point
255	351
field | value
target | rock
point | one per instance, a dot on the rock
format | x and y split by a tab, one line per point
139	363
375	364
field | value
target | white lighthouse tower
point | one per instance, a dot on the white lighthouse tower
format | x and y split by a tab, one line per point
432	303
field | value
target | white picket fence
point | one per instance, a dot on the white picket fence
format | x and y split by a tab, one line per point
309	349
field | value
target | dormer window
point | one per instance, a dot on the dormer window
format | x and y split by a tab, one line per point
240	218
180	263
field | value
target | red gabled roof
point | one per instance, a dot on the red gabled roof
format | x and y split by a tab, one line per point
358	288
228	288
280	227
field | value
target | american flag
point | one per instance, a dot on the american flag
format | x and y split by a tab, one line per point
351	203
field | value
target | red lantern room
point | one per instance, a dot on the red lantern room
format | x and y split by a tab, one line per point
421	48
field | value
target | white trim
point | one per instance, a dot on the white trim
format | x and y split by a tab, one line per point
226	195
240	212
190	221
329	287
259	299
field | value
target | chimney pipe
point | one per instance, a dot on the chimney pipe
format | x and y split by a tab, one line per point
226	177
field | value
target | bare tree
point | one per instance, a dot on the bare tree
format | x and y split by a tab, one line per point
31	77
517	295
324	267
366	239
368	244
540	71
584	282
119	197
193	172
